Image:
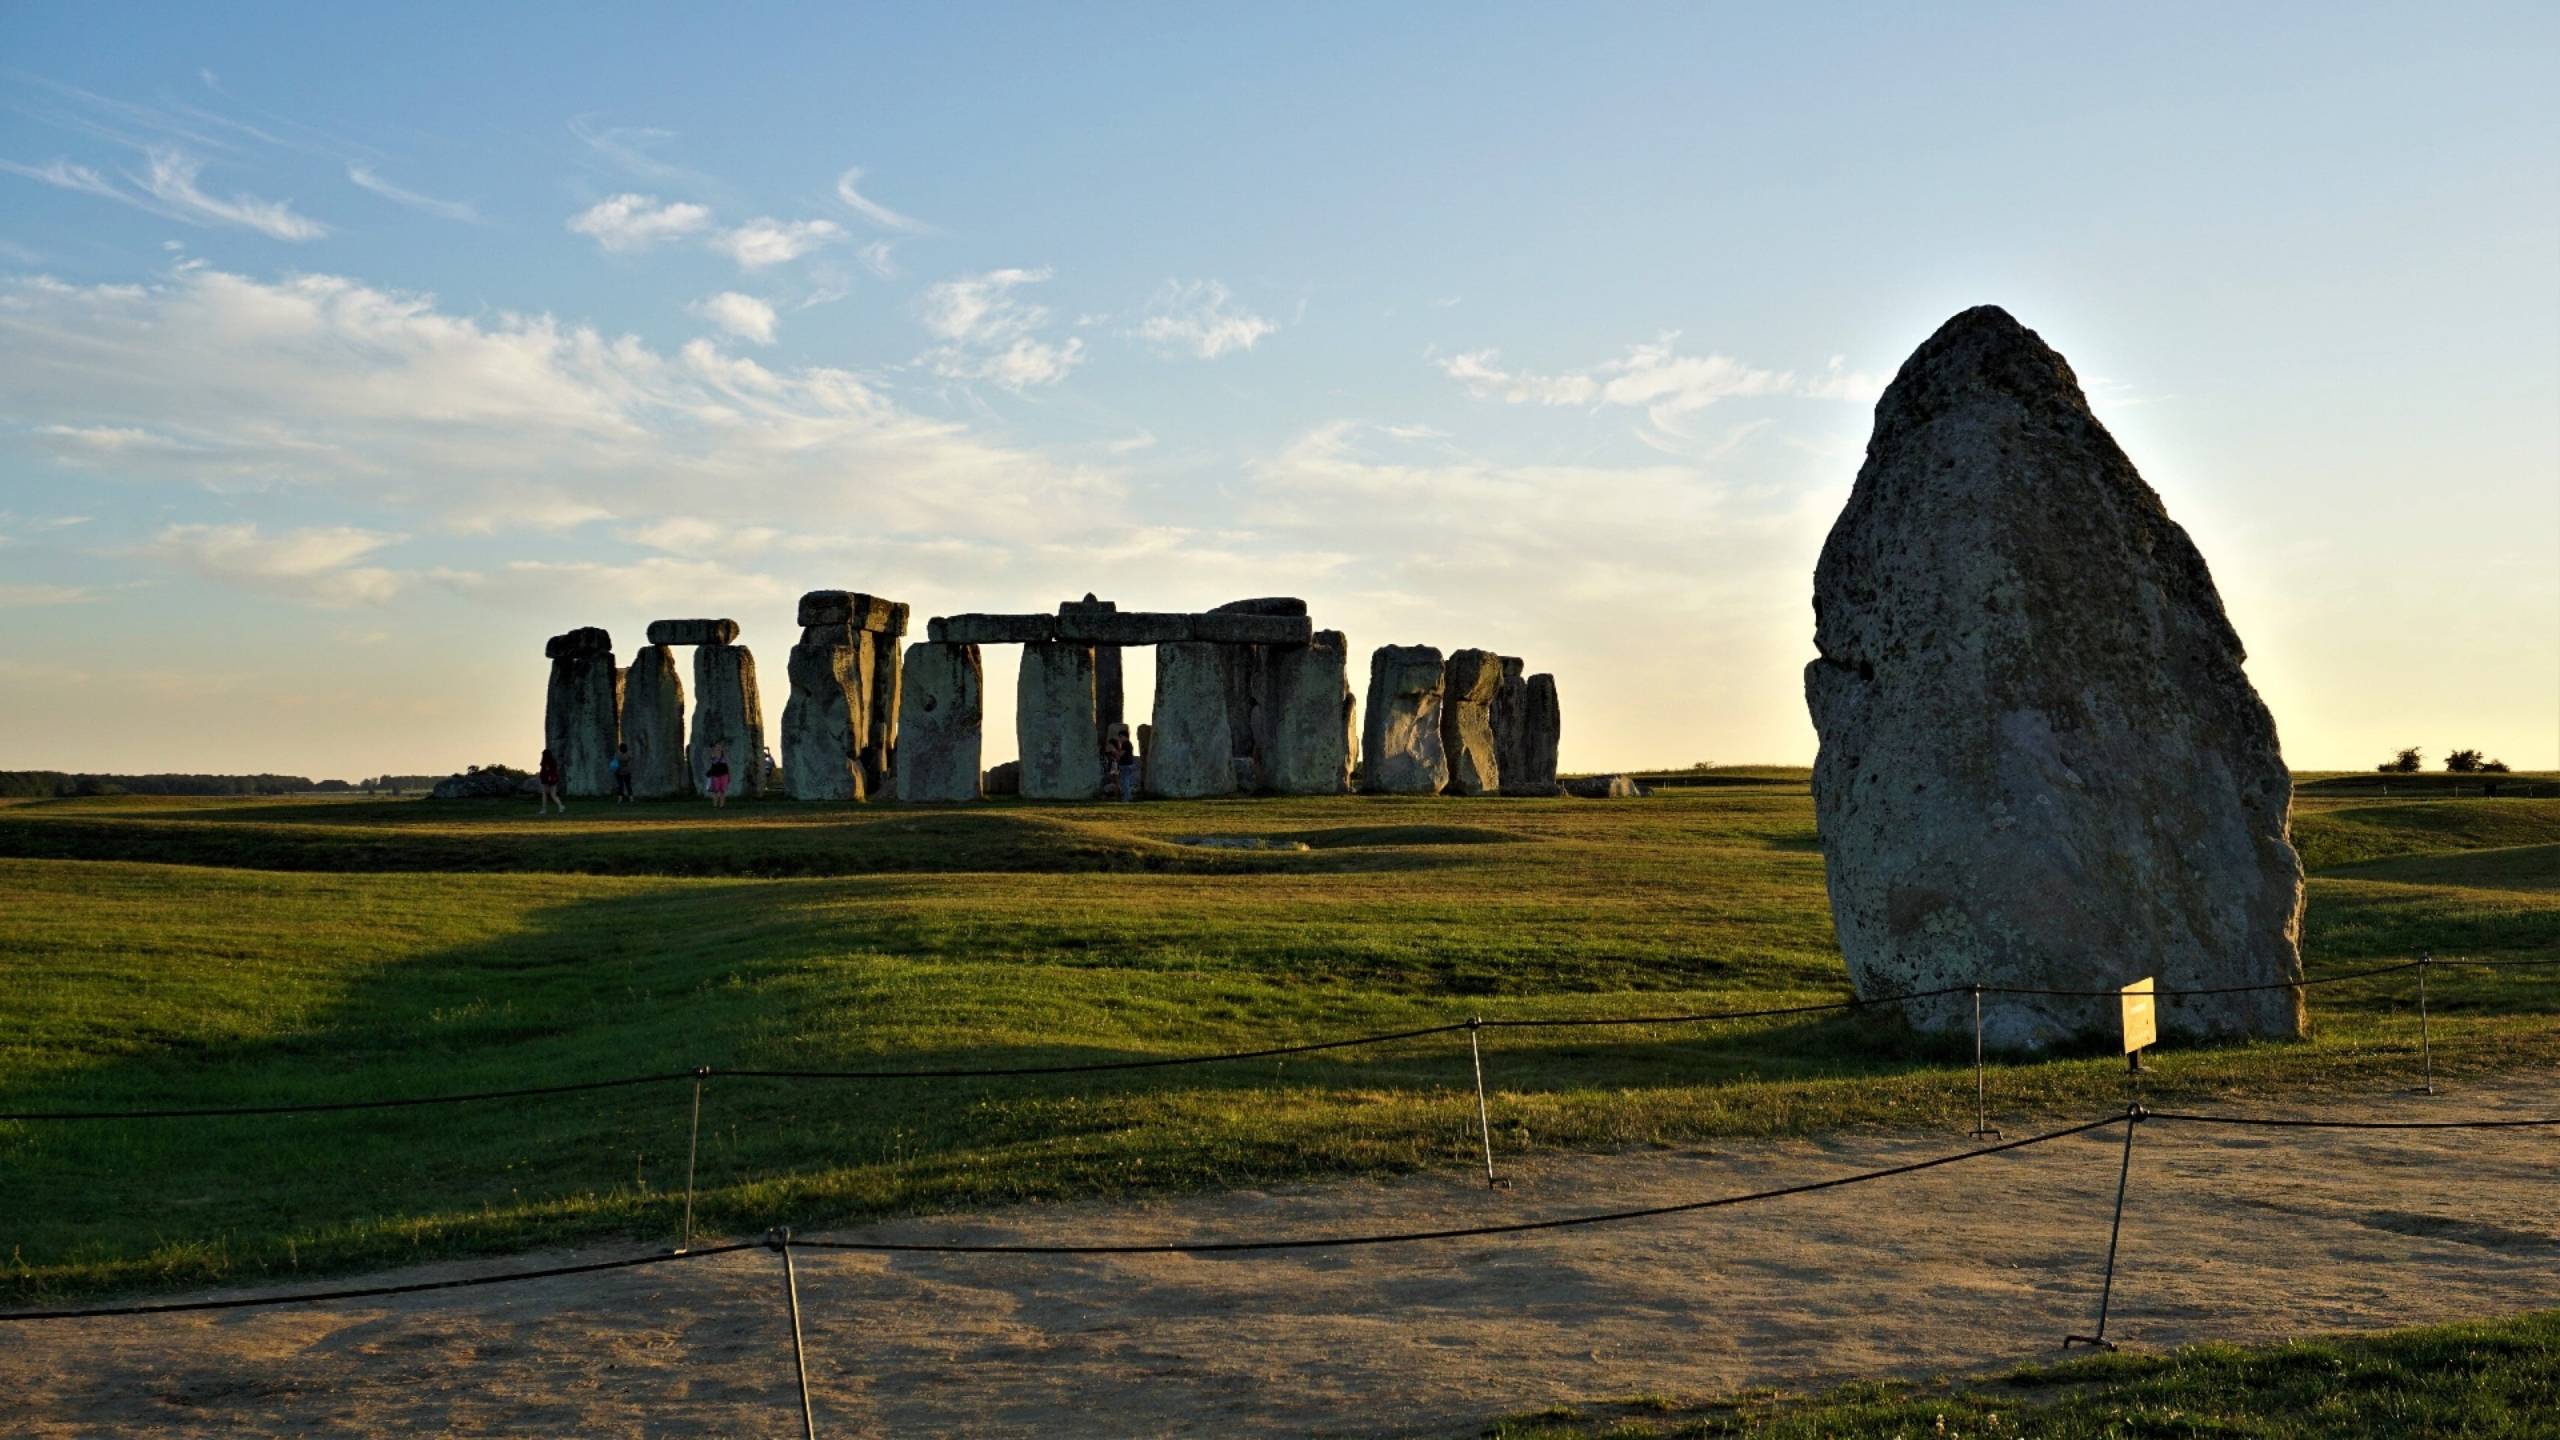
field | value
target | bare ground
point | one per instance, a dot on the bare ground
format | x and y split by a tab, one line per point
2238	1235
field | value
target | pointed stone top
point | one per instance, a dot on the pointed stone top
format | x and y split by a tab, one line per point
1981	354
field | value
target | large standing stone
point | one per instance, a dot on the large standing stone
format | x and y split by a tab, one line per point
1306	745
1190	753
1541	728
1400	743
727	709
1466	722
825	721
581	710
1110	695
942	724
2041	763
888	670
1511	719
653	724
1053	723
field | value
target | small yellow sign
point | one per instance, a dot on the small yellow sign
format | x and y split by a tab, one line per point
2141	1016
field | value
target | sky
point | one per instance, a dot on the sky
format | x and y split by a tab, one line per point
347	353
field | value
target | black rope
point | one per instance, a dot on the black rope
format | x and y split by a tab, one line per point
2264	1120
1404	1237
307	1297
322	1106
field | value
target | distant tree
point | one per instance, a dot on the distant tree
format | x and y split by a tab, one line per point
2404	763
2462	762
2494	767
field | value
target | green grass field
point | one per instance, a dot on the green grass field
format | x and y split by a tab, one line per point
2491	1381
220	952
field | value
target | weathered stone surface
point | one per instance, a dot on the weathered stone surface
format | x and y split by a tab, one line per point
1004	779
581	720
1307	738
1189	751
1246	686
1110	692
1400	750
1248	774
2042	763
851	607
585	640
1603	787
727	708
1542	726
1473	678
1265	605
824	722
941	724
1511	721
653	724
693	632
1053	723
1123	627
998	629
898	617
888	669
1240	628
486	785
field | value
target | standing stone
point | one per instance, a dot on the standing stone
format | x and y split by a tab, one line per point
1191	753
1110	698
727	708
942	724
1053	723
888	671
1542	727
1511	720
581	710
1400	746
825	720
1466	722
2042	763
1306	747
653	725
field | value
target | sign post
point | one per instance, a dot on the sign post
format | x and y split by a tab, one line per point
2141	1017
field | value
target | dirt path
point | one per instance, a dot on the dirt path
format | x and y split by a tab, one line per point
2231	1234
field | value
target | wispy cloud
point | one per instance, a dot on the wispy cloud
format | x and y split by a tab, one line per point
1656	378
64	175
170	178
627	148
364	178
765	241
318	563
744	316
626	223
1201	319
989	332
16	595
872	210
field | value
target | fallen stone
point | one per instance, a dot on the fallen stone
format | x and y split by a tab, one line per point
995	629
1400	747
1189	750
941	724
1004	779
1238	628
1124	627
824	724
1603	787
727	709
1543	729
586	640
1053	723
693	632
2042	763
582	719
851	607
653	725
1307	740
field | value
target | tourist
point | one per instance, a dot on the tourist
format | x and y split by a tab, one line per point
765	777
717	776
621	766
549	775
1120	764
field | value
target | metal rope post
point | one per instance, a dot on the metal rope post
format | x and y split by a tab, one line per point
779	1239
2133	1116
692	1148
1982	1128
1484	1116
2426	1048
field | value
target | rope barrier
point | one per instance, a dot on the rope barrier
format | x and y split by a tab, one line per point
1407	1237
311	1297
